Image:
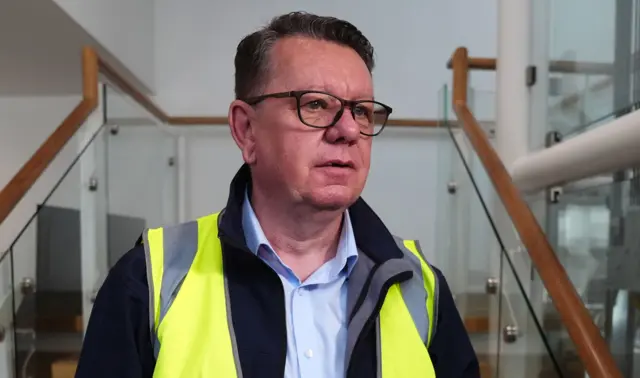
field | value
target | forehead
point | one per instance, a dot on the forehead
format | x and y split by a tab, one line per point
299	63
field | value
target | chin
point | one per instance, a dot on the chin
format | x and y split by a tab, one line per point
332	198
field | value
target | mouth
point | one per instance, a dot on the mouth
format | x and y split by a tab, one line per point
337	164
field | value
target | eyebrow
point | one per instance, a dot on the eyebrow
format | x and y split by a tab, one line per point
324	88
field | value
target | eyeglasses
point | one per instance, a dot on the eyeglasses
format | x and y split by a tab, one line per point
321	110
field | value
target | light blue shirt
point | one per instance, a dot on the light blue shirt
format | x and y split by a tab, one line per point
316	309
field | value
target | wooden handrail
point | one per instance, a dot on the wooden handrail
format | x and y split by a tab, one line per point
92	66
409	122
24	179
119	81
556	66
590	345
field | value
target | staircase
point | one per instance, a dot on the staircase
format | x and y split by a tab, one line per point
49	332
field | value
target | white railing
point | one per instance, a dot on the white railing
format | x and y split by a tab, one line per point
608	148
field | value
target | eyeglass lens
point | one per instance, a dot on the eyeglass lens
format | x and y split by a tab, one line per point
320	110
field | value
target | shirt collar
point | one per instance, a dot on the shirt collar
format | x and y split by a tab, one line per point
253	233
371	235
346	255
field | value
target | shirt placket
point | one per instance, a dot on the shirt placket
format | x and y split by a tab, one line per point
307	344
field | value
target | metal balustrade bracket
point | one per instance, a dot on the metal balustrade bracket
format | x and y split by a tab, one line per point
531	75
552	138
554	194
452	187
510	334
93	184
491	286
28	286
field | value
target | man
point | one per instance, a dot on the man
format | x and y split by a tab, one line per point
297	276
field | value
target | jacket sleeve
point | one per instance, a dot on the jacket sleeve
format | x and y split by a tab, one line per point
118	340
451	352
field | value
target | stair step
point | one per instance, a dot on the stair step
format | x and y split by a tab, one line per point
47	311
476	324
486	371
40	364
64	368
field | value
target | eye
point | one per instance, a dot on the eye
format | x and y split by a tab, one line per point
361	111
316	104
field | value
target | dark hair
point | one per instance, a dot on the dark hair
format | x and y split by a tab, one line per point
252	55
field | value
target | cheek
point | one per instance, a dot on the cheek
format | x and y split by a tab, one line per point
365	153
281	150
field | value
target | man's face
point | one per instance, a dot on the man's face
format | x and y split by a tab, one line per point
325	168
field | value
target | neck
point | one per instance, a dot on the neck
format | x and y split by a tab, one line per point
304	239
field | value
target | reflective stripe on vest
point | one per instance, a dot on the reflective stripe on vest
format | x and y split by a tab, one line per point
430	283
194	337
403	350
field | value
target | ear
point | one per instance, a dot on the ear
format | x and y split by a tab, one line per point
240	122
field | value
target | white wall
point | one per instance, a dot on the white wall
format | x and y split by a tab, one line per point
124	27
196	41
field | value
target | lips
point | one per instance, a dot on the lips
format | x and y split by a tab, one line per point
337	163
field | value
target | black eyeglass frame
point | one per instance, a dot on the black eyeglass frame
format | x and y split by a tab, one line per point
344	103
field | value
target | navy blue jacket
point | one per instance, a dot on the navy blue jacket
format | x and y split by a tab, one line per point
118	339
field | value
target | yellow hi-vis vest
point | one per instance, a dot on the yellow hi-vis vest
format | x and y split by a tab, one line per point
191	322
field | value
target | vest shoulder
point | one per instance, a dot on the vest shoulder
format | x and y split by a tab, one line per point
409	246
185	225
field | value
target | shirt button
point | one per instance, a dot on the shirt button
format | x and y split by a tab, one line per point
308	353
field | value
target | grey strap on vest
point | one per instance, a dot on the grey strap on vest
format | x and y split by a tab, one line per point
436	290
414	294
180	244
375	289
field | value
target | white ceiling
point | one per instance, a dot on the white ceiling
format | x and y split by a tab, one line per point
41	48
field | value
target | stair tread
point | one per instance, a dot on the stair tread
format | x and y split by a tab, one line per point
48	311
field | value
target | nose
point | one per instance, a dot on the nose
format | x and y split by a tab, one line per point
346	129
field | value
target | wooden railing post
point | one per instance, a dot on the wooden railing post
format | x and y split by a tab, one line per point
90	71
460	65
